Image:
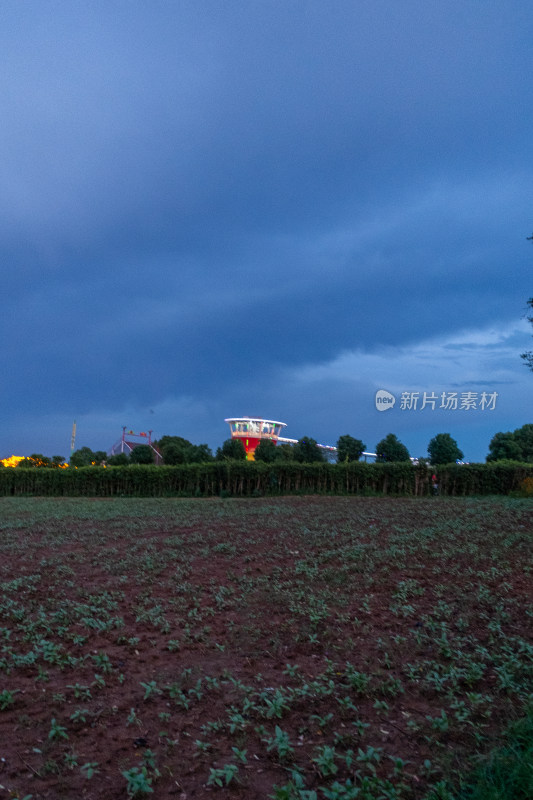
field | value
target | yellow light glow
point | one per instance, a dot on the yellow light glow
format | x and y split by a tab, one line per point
12	461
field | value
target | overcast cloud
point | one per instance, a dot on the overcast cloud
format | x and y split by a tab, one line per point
275	208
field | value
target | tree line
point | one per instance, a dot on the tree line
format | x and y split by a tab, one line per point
175	450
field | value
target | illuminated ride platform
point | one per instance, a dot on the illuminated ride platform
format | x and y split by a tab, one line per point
251	430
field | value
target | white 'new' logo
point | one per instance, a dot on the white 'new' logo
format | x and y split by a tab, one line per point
384	400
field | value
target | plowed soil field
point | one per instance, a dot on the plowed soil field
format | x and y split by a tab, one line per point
302	647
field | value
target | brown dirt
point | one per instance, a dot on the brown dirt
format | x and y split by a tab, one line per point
159	574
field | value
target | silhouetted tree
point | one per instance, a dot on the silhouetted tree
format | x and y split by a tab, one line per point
201	453
176	450
528	357
174	454
284	452
266	451
442	449
118	460
232	449
391	449
349	449
514	446
83	457
504	447
142	454
307	451
524	438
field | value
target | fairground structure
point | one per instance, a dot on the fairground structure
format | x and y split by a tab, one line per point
130	440
251	430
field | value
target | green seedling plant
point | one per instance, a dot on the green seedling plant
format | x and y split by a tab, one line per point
223	776
80	715
89	769
138	782
324	761
7	698
151	690
57	731
240	755
280	743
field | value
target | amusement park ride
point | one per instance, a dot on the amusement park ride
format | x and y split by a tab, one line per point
251	430
130	440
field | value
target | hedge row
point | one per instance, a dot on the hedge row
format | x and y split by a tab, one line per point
497	477
246	479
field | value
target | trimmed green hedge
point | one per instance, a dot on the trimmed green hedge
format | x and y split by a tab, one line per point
246	479
496	477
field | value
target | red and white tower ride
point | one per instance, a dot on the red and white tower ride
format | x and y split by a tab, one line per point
251	430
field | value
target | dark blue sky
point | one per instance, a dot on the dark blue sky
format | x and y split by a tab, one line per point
212	209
